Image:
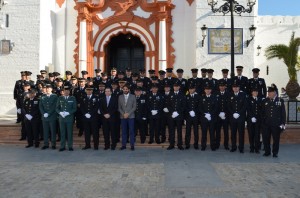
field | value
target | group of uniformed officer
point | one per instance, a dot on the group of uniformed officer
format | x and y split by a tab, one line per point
162	101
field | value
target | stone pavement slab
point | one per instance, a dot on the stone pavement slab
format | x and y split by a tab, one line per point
148	172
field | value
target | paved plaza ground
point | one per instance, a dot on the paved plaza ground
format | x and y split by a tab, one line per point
148	172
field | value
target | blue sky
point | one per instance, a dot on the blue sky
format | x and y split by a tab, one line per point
279	7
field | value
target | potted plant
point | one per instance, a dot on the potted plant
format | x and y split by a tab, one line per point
289	55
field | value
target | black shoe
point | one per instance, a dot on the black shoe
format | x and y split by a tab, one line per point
232	150
241	151
213	149
22	139
71	149
163	140
28	146
203	148
96	148
142	141
257	151
170	148
122	148
61	149
18	121
45	147
86	147
132	148
217	147
150	142
158	142
226	147
106	148
53	147
80	133
180	148
113	148
266	154
251	150
196	147
187	147
37	146
275	155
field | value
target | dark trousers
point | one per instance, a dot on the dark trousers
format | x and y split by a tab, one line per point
23	128
192	122
225	125
79	119
32	129
118	127
208	125
273	131
254	135
127	124
237	125
164	122
109	132
140	126
175	125
91	128
154	124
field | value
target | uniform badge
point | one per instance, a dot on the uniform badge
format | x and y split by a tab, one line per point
157	98
183	82
94	99
231	98
203	100
188	98
279	103
266	103
35	102
150	97
142	101
260	82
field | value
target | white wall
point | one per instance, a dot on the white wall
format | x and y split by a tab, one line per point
24	31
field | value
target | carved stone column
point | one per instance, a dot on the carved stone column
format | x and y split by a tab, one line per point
162	16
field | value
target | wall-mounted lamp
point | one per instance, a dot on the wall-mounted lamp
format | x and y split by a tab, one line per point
252	34
258	50
204	33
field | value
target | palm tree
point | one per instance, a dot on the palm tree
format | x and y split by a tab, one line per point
289	54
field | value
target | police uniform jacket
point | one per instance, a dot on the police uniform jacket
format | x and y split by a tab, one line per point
48	105
79	94
155	103
237	104
223	102
208	105
141	107
31	107
91	106
183	84
68	105
274	113
20	99
260	84
243	82
192	104
177	103
254	108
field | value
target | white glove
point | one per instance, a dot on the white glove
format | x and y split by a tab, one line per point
282	127
236	115
175	114
46	115
19	111
253	120
144	118
208	116
222	115
66	113
166	110
87	115
62	114
99	111
192	113
154	112
28	116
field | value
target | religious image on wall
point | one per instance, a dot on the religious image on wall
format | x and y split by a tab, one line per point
219	41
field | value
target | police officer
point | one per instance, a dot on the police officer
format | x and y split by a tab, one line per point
32	118
166	116
223	115
84	74
195	81
257	83
237	105
66	107
68	81
89	107
141	114
225	80
79	94
210	81
47	108
241	80
146	80
97	79
176	109
192	117
18	89
155	106
208	108
169	79
274	121
254	118
182	81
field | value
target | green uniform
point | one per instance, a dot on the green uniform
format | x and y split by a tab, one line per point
47	106
69	105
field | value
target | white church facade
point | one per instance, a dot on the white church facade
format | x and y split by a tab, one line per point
75	35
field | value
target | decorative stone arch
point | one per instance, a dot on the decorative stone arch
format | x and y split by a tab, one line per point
102	38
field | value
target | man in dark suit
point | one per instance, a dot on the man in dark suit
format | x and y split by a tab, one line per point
223	115
258	83
109	113
274	119
141	114
89	107
254	118
241	80
208	108
127	107
176	109
237	105
155	106
192	117
32	117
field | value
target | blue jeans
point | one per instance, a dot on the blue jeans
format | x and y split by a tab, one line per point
127	124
